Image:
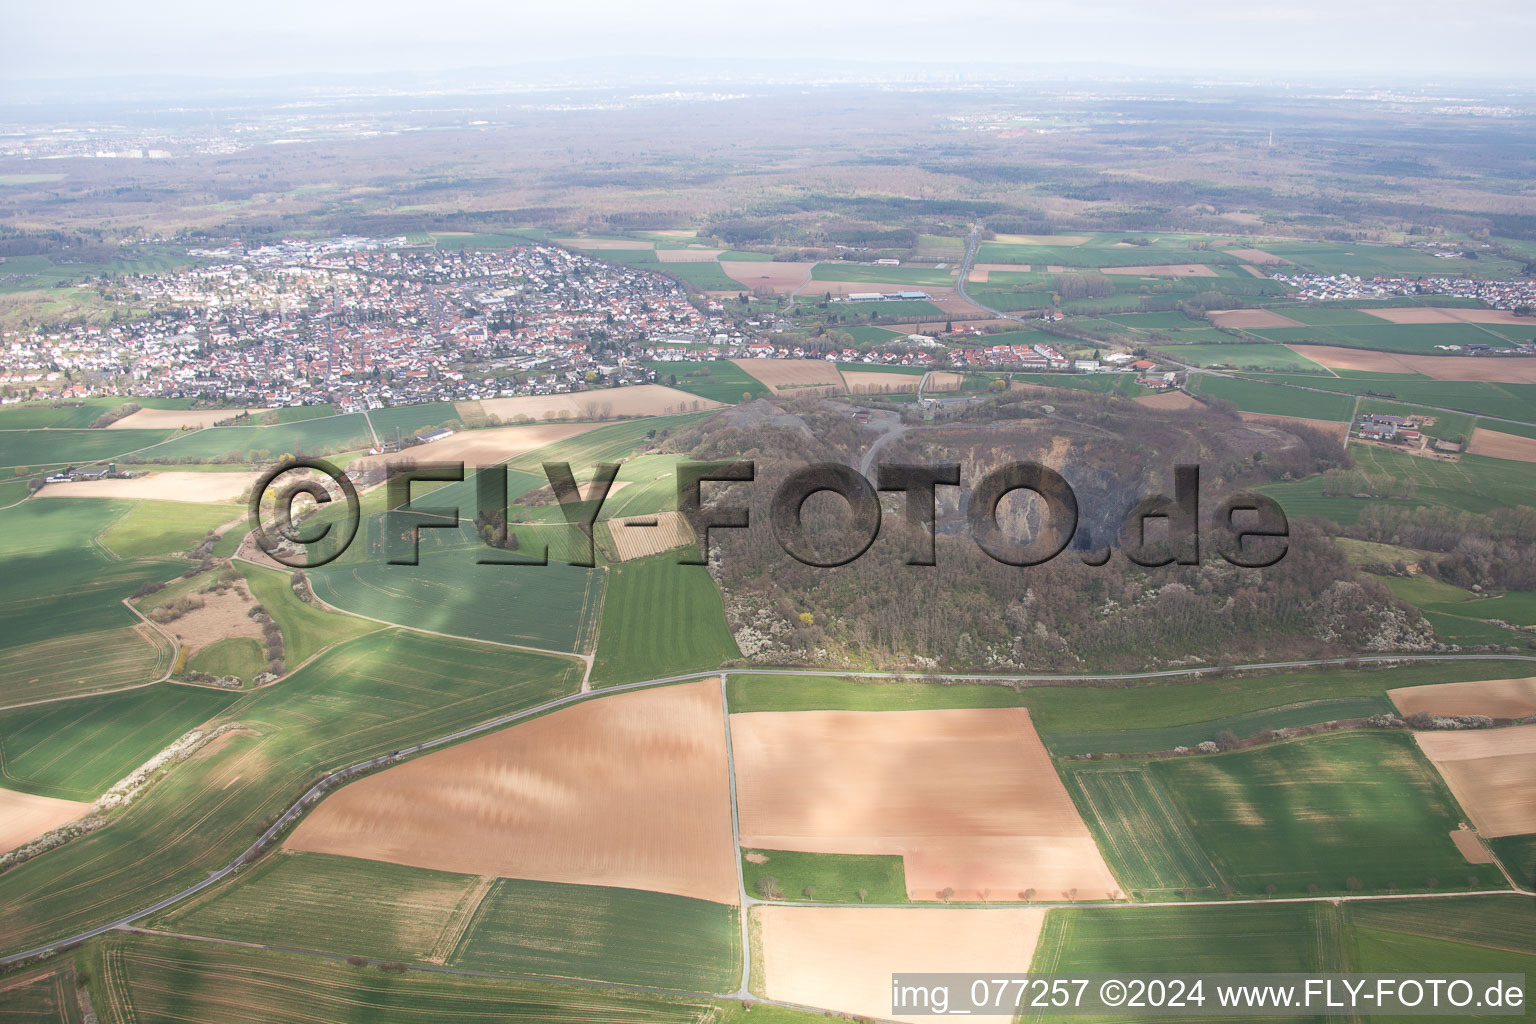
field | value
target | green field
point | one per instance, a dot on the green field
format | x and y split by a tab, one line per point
233	656
38	448
163	528
43	997
1518	854
82	663
406	421
149	978
1320	810
1214	939
366	697
890	309
1280	937
1243	357
1245	724
1509	401
1472	934
706	276
747	693
307	629
1257	396
832	877
1142	831
322	435
719	380
1119	717
1475	484
76	749
337	904
60	584
660	619
543	606
79	412
1421	339
602	933
896	278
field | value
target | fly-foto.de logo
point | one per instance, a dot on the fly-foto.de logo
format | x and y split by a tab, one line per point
1252	530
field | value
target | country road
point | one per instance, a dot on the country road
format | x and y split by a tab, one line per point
346	774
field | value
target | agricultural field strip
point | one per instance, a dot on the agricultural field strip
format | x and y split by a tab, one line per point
347	773
586	659
429	968
1248	376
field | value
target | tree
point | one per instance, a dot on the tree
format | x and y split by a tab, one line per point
1188	893
768	888
947	893
1311	888
1027	895
1269	890
809	892
863	895
1353	884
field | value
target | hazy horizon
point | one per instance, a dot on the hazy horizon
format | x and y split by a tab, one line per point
180	40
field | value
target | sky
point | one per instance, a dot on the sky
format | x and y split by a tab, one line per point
1319	38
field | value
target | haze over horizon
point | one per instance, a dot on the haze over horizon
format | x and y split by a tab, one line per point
178	38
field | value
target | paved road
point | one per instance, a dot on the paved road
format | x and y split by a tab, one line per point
346	774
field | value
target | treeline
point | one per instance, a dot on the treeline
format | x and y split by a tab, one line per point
1494	551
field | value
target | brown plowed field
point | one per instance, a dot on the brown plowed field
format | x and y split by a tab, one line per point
603	243
1494	369
1175	401
1490	771
1502	446
1452	315
781	277
24	817
688	255
1471	847
969	798
222	616
631	541
198	488
1496	698
630	790
1257	319
873	382
605	403
1257	256
1042	239
793	375
842	958
1338	430
176	419
483	447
